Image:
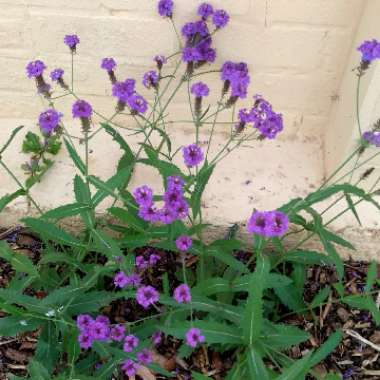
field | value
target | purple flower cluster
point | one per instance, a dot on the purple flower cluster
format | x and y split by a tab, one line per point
142	263
192	155
129	367
126	94
175	206
108	64
165	8
81	109
205	10
157	338
121	280
71	40
220	18
150	79
56	75
236	76
370	50
35	69
93	329
49	121
262	117
184	243
194	337
160	61
146	296
182	294
268	223
372	138
130	343
200	89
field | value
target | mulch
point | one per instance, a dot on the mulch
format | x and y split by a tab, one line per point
356	358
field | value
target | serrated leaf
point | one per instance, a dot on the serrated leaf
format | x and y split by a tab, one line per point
49	231
106	244
296	370
290	297
128	218
326	349
11	326
352	207
371	276
200	186
320	297
363	302
8	198
75	157
166	169
65	211
18	261
257	369
307	258
31	143
253	314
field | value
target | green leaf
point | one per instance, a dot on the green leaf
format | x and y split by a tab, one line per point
290	297
120	140
166	169
297	370
31	143
198	376
66	211
320	297
83	196
12	136
274	280
128	218
352	207
307	258
53	145
18	261
49	231
363	303
37	371
76	159
8	198
118	181
106	244
253	315
212	286
200	185
226	257
333	254
257	369
11	326
282	336
329	346
371	276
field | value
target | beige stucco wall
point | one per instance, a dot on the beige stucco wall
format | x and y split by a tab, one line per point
297	52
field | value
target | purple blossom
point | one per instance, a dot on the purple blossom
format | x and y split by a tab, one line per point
85	340
172	198
167	216
49	121
149	214
35	69
205	10
372	138
154	258
194	337
144	357
129	367
137	104
146	296
81	109
140	262
71	40
120	280
130	343
108	64
184	243
189	30
143	196
150	79
182	294
157	338
192	155
165	8
370	50
220	18
99	330
160	61
236	76
200	89
117	333
84	322
56	75
103	319
175	183
268	122
123	90
181	209
268	223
